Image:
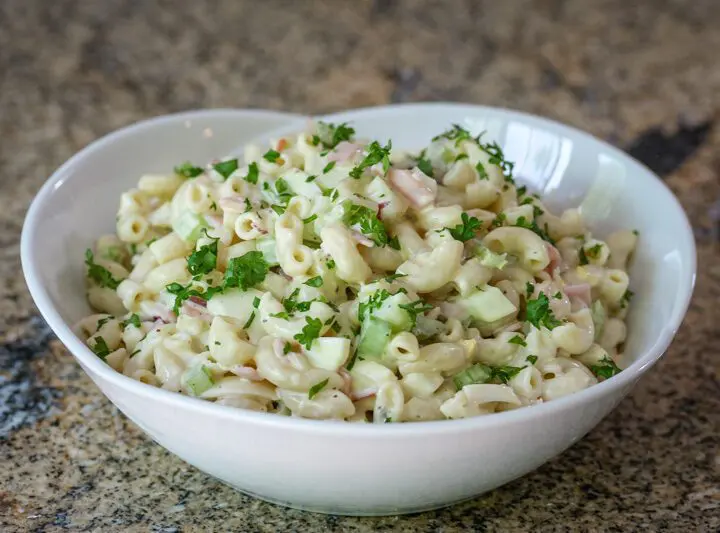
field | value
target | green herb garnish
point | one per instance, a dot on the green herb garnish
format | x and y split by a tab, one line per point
517	339
188	170
246	271
226	168
605	369
375	154
466	230
204	260
310	332
317	388
538	313
99	274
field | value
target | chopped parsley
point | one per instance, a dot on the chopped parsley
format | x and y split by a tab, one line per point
393	277
331	135
529	289
594	251
522	222
133	320
498	158
183	293
499	220
102	322
188	170
557	295
482	173
284	192
250	320
310	332
272	156
626	297
418	307
375	154
246	271
310	179
366	219
226	168
328	167
310	219
538	313
532	359
457	133
100	348
505	373
605	369
99	274
204	260
374	302
253	173
317	388
517	339
425	166
317	281
330	263
279	209
466	230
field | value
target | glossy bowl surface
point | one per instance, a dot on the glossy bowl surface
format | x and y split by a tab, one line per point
349	468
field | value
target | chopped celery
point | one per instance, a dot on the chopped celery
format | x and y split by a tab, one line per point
198	379
189	226
491	259
267	247
597	311
478	373
374	337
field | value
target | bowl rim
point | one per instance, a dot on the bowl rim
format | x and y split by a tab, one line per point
95	366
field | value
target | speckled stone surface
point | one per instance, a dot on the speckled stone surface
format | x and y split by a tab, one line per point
644	75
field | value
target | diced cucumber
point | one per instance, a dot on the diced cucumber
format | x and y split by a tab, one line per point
374	337
267	247
329	353
488	304
234	303
189	226
391	312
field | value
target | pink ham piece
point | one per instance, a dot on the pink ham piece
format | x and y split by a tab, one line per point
196	310
246	372
347	381
361	395
419	189
580	292
361	239
344	152
233	203
160	312
556	260
214	220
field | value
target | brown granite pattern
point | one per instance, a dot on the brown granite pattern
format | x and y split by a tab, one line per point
642	74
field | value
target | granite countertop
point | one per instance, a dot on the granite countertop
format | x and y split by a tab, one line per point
643	75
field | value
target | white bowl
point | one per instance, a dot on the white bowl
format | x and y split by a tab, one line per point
351	468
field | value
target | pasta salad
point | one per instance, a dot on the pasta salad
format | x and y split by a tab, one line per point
329	277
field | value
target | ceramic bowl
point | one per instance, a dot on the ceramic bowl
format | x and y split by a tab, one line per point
342	468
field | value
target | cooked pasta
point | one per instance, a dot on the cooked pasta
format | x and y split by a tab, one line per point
332	278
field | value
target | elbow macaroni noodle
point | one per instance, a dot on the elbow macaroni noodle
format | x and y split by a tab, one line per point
330	278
